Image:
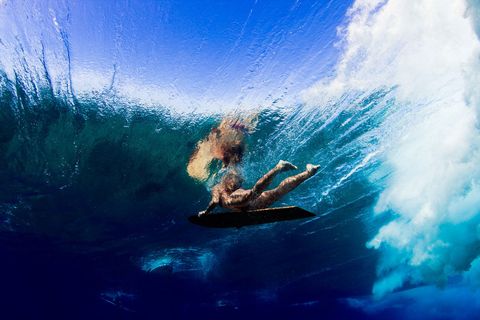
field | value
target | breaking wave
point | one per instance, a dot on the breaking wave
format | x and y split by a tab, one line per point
428	53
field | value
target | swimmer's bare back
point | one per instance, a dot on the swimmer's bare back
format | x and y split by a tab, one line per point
257	198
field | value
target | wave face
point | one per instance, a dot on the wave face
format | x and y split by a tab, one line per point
115	159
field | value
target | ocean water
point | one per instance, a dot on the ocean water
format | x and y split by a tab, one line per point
95	196
110	184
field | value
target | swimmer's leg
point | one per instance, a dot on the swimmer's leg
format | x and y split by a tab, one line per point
267	198
265	181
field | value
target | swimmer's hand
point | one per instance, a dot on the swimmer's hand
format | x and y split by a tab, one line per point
210	207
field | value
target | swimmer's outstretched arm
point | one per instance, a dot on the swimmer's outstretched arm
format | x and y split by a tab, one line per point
213	203
209	209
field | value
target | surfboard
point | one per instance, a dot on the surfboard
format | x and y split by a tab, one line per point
237	219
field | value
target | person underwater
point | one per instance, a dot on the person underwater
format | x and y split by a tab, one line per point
229	194
227	144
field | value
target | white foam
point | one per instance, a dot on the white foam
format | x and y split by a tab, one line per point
193	260
429	52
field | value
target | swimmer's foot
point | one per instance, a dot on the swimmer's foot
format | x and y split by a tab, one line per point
312	168
286	166
202	213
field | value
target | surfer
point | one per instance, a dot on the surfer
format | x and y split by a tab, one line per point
229	194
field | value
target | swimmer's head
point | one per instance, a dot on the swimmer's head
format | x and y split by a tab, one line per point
232	181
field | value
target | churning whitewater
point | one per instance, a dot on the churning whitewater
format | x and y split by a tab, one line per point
433	155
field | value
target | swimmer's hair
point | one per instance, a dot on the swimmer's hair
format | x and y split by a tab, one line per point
200	159
225	142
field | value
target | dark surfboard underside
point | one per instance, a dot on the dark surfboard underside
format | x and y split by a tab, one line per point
234	219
